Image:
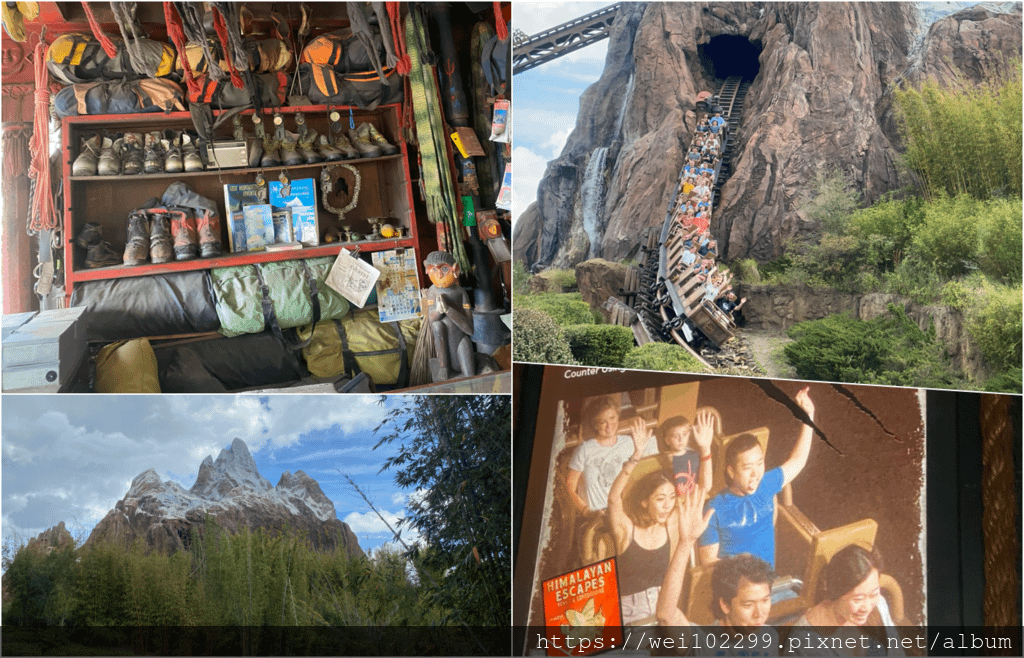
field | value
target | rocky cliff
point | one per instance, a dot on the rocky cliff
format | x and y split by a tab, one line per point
232	492
819	102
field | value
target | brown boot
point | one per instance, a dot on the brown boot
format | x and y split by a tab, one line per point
136	250
208	226
160	250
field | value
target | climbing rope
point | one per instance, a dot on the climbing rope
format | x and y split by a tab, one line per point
403	65
176	33
43	215
105	42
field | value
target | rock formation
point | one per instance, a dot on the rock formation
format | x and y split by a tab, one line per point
232	492
818	103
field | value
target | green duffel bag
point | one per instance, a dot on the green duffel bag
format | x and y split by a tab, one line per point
282	295
360	342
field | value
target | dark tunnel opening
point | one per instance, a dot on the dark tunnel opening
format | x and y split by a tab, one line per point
729	55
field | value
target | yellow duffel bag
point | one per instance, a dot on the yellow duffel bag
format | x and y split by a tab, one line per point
127	366
360	342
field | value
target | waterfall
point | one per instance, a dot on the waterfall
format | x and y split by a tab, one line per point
592	196
622	110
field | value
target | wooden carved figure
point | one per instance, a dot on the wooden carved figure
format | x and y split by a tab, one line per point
450	319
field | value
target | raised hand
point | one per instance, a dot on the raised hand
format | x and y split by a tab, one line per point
704	430
692	519
641	436
803	399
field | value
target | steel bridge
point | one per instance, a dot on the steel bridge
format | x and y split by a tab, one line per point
531	51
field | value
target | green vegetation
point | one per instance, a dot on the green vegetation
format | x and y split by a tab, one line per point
887	350
519	278
662	356
563	280
565	308
965	138
603	345
537	338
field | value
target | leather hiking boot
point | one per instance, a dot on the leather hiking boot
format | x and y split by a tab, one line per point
132	156
376	138
154	161
110	157
101	254
173	162
271	154
254	148
189	153
329	153
348	151
90	235
136	250
208	227
361	141
88	158
186	238
160	249
306	150
289	150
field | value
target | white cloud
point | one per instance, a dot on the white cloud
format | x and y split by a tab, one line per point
527	170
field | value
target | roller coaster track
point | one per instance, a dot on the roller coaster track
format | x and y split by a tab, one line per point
663	295
528	52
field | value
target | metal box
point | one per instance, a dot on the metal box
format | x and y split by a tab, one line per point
44	351
227	155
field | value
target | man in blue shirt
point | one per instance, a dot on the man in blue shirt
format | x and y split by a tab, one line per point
745	511
715	123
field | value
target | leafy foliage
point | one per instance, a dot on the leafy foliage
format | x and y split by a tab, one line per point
662	356
965	138
457	452
887	350
996	326
565	309
519	278
538	339
602	345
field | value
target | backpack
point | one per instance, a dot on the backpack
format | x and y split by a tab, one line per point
119	97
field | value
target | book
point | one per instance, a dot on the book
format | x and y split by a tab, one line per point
300	200
259	226
282	225
284	246
236	197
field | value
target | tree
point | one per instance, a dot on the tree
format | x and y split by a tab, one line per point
457	451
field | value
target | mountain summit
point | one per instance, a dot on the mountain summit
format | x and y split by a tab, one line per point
233	493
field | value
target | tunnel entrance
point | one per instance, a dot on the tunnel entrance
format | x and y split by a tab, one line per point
729	55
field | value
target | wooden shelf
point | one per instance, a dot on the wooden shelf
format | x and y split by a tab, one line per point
386	190
233	171
239	258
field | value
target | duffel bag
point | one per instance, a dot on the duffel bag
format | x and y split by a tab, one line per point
360	342
119	97
265	56
282	295
343	54
222	94
75	58
367	89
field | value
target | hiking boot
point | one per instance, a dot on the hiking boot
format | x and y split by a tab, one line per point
136	250
189	153
208	228
375	137
289	150
255	151
160	250
361	141
186	238
90	235
101	254
329	153
132	156
271	153
309	155
88	159
109	163
154	162
348	151
173	162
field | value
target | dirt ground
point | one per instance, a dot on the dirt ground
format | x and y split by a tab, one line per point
767	349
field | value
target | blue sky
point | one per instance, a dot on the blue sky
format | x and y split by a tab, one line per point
547	98
71	458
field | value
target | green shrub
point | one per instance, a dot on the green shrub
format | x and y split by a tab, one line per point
603	345
947	241
995	325
746	270
662	356
1005	382
565	279
887	350
888	229
537	339
565	308
519	278
999	240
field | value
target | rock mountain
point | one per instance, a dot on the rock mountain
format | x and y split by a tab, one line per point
233	493
820	101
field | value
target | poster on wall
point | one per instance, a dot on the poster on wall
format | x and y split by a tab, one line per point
781	509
